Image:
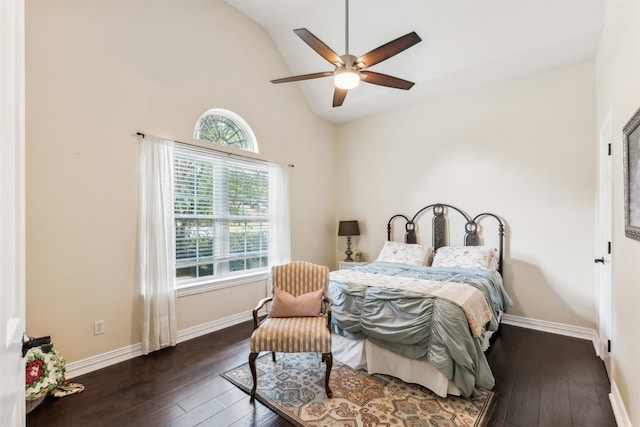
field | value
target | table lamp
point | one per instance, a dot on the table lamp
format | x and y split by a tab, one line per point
348	228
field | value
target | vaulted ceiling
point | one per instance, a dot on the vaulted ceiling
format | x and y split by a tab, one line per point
465	44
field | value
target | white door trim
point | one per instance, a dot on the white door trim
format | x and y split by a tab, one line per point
604	237
12	212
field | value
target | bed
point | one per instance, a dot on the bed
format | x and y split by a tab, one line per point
424	313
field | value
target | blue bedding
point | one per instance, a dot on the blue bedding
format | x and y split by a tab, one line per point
419	326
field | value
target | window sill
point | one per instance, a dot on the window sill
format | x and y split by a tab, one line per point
227	282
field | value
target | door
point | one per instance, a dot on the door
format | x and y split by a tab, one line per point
603	249
12	212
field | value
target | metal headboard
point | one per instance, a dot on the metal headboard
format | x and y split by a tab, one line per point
439	232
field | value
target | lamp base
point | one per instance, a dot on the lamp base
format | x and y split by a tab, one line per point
348	252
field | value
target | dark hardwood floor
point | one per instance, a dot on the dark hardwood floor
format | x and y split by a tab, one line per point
541	380
544	379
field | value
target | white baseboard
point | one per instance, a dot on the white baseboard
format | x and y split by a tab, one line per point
103	360
619	411
554	328
100	361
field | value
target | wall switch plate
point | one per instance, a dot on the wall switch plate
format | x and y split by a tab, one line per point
98	327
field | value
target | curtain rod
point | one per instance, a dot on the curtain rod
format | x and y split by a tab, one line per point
143	135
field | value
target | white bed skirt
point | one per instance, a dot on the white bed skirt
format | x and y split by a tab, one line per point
363	354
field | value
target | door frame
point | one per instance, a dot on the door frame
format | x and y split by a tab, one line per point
604	236
12	212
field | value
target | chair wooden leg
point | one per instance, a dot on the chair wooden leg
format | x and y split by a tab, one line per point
273	356
252	367
327	358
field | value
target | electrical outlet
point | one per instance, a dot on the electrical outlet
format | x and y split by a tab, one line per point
98	327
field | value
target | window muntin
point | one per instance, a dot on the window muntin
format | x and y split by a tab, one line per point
226	128
221	215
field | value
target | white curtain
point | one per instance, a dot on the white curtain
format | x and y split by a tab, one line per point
279	227
155	255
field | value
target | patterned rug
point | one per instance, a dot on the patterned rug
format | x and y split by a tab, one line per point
294	388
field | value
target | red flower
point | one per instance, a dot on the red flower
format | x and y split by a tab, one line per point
34	371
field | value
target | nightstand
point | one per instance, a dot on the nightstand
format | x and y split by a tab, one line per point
345	265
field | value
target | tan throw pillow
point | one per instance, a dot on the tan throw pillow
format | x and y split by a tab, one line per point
305	305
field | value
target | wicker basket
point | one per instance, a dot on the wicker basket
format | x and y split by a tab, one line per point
33	404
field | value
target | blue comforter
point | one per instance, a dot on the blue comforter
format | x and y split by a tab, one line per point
419	326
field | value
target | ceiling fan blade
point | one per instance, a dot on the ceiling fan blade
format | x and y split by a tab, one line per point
385	80
319	46
338	96
303	77
388	50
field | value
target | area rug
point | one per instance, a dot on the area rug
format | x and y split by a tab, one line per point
294	388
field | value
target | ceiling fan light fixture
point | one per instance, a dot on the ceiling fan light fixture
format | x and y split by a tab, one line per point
349	69
346	78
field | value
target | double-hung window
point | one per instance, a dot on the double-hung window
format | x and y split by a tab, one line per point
221	207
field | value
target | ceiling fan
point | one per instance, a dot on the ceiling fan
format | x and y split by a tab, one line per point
349	70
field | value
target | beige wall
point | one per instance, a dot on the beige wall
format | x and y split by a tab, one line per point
522	150
618	88
99	71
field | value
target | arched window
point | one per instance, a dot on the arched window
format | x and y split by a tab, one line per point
221	204
225	127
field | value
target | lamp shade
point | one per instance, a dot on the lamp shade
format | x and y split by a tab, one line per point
348	228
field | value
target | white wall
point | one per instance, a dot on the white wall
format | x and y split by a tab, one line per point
99	71
522	150
618	88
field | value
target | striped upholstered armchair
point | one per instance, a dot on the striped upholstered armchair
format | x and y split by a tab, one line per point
299	317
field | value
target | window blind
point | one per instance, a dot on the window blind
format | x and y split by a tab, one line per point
221	208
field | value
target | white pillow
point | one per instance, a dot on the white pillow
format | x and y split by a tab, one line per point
404	253
466	257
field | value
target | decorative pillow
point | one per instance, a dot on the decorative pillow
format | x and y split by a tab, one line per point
466	257
305	305
405	253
